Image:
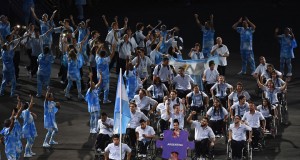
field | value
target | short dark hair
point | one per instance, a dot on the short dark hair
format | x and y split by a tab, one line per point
103	114
46	49
115	136
175	121
211	63
142	121
206	119
175	105
241	97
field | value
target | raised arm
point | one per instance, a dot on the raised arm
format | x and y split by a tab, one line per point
276	32
34	15
105	21
250	23
234	26
113	50
99	82
189	119
197	20
31	102
73	22
260	85
47	93
19	109
211	18
12	121
282	88
52	16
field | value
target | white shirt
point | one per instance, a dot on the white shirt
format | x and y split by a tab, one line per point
253	120
125	49
202	133
140	38
157	90
114	151
162	108
165	72
180	118
197	55
197	98
217	115
234	96
103	129
260	69
135	119
239	133
221	89
242	108
147	131
265	110
211	75
221	52
144	103
271	95
183	83
142	69
176	100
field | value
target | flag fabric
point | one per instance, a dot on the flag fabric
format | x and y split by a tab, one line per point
194	68
122	111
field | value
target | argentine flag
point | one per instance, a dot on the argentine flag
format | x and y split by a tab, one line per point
122	111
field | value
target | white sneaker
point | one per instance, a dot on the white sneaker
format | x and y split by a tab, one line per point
99	150
217	136
27	155
46	145
33	154
93	131
53	142
106	101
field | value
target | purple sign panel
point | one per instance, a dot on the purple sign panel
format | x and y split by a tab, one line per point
175	142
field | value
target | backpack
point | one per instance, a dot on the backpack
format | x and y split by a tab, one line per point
159	67
121	44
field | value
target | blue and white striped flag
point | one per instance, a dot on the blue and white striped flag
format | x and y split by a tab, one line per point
122	111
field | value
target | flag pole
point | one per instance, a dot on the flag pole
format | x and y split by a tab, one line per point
120	90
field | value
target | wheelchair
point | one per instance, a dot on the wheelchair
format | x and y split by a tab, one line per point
282	109
100	154
151	152
208	156
273	127
246	151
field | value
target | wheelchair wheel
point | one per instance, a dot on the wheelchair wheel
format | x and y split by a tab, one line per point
274	128
158	130
284	115
249	152
229	151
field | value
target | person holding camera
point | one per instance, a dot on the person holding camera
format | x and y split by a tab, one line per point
195	52
222	51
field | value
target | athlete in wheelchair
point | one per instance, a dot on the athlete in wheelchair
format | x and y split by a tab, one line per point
256	121
197	101
271	92
270	114
105	127
221	88
144	135
237	146
204	137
